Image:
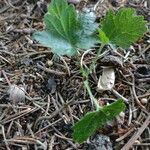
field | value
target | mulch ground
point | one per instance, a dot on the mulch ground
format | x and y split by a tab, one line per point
54	94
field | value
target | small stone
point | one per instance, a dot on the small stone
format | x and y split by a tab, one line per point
50	63
1	79
120	118
51	85
100	142
16	94
144	100
137	142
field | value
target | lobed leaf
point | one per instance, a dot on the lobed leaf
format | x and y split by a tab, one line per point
64	25
94	120
57	7
103	38
124	27
61	19
59	45
86	34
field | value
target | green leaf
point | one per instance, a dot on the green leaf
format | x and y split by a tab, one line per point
57	7
124	27
86	34
87	20
65	30
59	45
94	120
103	38
61	20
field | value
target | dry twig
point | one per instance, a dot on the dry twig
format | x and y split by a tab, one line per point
137	134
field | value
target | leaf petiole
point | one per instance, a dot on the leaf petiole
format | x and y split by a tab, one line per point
86	73
92	66
86	84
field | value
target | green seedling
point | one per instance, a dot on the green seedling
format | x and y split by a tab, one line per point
120	29
67	31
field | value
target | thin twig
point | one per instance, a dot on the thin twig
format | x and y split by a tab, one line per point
5	140
18	115
49	125
134	93
51	143
129	144
119	95
50	70
125	135
6	78
66	65
54	113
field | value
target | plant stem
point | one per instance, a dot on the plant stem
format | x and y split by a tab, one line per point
86	84
86	74
96	58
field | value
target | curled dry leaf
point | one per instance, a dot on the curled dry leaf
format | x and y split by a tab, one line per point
107	80
16	94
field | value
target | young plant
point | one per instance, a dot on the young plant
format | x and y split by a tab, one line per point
66	30
120	29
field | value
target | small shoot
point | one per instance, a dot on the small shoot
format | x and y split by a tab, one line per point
120	29
66	31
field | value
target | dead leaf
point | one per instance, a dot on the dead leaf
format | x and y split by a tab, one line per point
107	80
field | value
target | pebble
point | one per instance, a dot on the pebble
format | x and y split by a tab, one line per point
16	94
144	100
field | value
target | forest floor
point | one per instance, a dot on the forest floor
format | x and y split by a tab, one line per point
54	97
